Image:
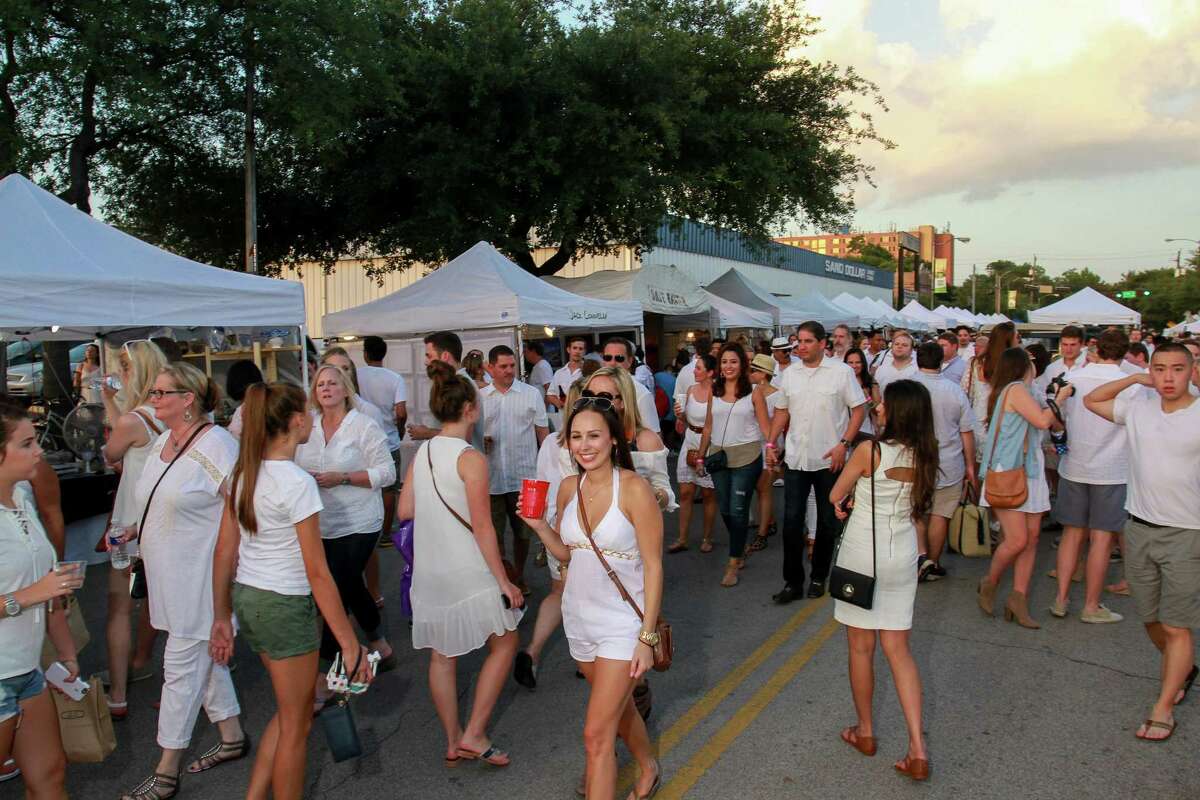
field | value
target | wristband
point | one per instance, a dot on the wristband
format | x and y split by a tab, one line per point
770	445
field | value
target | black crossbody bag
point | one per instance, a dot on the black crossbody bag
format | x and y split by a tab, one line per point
846	584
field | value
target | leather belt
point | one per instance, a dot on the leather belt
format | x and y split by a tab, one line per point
1147	523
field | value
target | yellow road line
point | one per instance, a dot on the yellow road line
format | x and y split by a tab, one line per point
685	778
724	687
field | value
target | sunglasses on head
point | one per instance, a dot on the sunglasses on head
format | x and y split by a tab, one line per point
602	401
618	359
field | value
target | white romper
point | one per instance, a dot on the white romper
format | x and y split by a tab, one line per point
597	620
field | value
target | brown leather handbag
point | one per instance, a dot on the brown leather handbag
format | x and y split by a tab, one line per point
694	457
664	651
1007	488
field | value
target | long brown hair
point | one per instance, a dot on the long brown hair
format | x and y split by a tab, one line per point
1011	367
743	378
909	423
266	413
1001	338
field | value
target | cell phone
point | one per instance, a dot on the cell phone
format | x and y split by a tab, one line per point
504	599
56	676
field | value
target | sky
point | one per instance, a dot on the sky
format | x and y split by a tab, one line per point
1068	130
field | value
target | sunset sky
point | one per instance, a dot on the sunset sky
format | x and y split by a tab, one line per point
1069	129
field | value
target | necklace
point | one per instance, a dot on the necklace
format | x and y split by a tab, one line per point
175	441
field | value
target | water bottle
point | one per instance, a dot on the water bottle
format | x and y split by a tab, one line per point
113	382
118	550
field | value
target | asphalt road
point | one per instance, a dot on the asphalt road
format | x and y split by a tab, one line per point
752	707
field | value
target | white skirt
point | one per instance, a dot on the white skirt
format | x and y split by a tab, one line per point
683	471
465	627
895	576
1038	501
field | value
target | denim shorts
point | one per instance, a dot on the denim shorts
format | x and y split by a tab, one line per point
18	689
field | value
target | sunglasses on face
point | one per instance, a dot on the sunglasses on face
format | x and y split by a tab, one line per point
618	359
159	394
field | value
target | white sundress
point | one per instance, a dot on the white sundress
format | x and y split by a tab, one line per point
694	414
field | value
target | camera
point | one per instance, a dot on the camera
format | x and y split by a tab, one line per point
1055	385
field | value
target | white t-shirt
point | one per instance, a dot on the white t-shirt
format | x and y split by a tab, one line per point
25	557
646	408
685	380
1097	452
270	559
383	389
1164	459
560	384
541	375
888	372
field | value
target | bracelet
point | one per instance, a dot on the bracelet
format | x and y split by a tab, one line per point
770	445
649	638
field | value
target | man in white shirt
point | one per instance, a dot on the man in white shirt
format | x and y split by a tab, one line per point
516	425
568	373
642	373
618	352
1092	478
1070	356
1138	358
877	350
781	351
901	365
821	405
1162	428
540	371
954	425
966	350
446	346
953	365
841	341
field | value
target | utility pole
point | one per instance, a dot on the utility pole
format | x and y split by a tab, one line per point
973	280
251	189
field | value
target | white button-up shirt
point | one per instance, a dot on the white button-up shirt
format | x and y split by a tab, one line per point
358	444
1097	450
383	389
540	375
818	401
509	419
560	384
1059	367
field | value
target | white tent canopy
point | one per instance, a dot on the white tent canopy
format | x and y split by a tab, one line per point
929	318
1085	307
818	307
869	314
666	290
477	290
60	268
735	286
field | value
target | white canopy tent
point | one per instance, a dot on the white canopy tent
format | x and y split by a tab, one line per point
735	286
897	319
958	316
65	275
869	314
1085	307
929	318
480	289
1183	328
666	290
816	306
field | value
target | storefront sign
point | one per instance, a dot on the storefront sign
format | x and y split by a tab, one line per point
666	298
588	315
857	272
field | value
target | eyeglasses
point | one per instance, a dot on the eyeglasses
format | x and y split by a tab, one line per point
618	359
600	402
158	394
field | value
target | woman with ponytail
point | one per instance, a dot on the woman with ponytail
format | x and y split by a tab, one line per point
271	530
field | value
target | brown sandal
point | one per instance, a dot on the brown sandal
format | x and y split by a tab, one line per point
867	745
157	787
1169	727
219	754
677	547
493	756
915	768
706	546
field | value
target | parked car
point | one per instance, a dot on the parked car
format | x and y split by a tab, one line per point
25	367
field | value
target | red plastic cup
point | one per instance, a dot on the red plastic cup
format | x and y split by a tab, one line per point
533	498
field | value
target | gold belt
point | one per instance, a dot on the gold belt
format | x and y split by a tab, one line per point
634	556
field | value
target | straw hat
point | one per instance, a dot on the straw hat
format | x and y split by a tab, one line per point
763	363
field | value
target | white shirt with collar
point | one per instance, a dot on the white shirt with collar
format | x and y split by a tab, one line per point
888	372
560	384
1059	367
952	417
818	400
509	419
358	444
1097	452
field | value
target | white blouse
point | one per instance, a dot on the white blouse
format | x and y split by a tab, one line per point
358	444
181	528
25	557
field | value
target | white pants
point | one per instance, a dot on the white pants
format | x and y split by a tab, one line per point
192	680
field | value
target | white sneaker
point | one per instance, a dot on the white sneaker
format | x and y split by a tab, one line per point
1101	616
9	770
778	484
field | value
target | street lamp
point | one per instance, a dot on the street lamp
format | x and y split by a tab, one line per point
1193	241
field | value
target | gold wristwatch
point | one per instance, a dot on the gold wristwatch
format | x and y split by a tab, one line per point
649	638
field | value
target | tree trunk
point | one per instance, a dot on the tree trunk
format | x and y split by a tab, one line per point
83	146
10	137
561	257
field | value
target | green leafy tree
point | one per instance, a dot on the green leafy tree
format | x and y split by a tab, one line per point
871	254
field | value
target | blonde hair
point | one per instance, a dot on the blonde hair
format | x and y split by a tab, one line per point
189	379
912	341
146	362
341	351
630	417
342	380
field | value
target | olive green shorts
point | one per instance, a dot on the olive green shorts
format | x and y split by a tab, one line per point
280	625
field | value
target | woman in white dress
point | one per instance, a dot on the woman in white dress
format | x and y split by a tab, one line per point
611	645
87	375
693	414
129	444
182	519
1015	422
892	483
461	596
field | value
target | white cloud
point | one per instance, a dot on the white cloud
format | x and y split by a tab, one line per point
1028	90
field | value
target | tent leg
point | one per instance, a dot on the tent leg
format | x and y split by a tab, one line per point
520	353
303	359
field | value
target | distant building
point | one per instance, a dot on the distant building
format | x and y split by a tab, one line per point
925	242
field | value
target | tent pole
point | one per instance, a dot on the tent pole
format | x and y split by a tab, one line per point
304	359
520	351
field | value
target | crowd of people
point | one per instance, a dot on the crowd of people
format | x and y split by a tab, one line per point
877	441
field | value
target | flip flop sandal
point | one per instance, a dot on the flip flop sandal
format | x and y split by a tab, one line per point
1162	726
493	756
220	753
677	547
118	711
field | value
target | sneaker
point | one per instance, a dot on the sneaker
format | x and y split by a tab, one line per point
937	572
1102	616
924	565
778	483
9	770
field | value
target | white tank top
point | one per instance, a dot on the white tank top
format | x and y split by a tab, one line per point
126	510
734	423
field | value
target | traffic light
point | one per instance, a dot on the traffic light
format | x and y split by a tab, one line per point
1145	293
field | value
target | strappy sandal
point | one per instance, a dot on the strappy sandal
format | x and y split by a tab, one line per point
867	745
759	543
677	547
493	756
915	768
157	787
654	787
706	546
220	753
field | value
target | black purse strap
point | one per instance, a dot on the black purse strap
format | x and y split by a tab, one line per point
178	455
874	555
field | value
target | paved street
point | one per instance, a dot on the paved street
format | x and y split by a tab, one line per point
753	707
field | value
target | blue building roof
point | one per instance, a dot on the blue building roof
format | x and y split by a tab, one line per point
695	237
